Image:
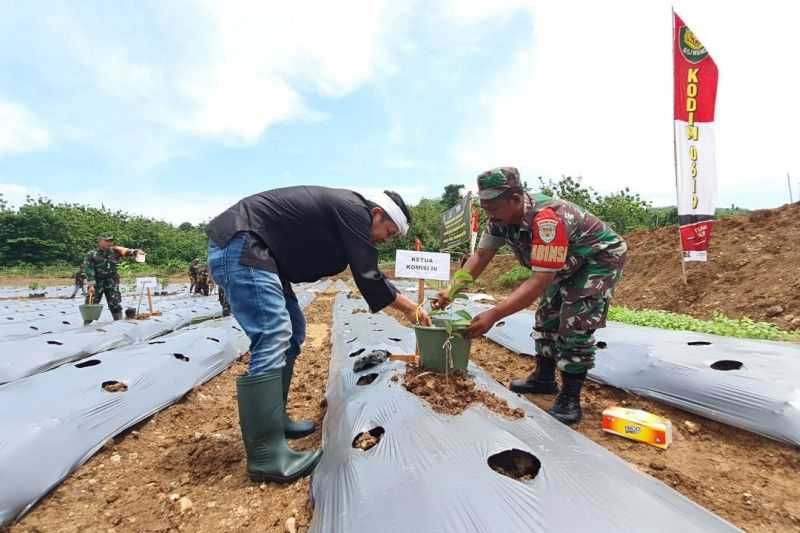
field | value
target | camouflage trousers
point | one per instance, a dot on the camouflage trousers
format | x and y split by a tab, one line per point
570	311
110	288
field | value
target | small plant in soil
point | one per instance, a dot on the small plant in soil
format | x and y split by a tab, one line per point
453	322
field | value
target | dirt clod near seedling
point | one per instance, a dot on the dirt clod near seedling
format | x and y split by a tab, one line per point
454	393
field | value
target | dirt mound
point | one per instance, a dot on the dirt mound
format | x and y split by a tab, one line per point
452	394
752	270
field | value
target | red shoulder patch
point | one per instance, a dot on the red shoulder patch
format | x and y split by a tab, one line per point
550	240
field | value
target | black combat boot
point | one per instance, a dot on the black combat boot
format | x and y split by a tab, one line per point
541	381
567	407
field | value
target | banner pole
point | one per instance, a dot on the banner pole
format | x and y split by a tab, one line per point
675	156
789	184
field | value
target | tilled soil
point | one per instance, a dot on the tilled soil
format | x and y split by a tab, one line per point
749	480
454	393
184	469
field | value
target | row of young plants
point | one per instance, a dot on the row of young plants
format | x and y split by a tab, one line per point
719	324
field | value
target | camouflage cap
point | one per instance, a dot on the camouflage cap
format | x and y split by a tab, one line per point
496	181
105	237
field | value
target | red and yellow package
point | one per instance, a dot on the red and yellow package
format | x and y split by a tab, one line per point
638	425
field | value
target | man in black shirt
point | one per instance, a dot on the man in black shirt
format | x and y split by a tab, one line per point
256	249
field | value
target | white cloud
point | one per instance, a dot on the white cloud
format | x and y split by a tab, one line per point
262	57
20	130
592	96
15	194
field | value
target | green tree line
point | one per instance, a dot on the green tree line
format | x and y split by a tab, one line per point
41	233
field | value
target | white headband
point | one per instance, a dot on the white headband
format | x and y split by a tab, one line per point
389	207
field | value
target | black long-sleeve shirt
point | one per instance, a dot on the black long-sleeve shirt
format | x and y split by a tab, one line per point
307	233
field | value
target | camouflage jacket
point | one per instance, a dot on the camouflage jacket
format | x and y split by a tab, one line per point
557	236
102	264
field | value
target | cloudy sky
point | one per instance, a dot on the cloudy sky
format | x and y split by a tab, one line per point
177	109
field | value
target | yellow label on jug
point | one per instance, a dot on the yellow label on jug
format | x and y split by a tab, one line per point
638	425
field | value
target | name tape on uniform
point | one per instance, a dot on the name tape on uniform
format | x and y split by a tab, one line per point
422	265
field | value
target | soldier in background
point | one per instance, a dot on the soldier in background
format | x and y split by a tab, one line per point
101	271
80	280
201	284
194	269
576	260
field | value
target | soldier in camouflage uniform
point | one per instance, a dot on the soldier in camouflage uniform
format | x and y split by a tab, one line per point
576	259
100	266
194	269
80	280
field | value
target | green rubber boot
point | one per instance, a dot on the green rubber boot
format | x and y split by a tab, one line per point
301	428
261	413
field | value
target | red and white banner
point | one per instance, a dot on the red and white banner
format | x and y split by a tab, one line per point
695	98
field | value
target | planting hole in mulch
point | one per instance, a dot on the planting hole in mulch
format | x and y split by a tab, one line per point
114	386
395	339
699	343
727	365
11	317
157	342
601	344
367	379
500	324
34	328
181	357
454	393
212	339
357	352
516	464
66	322
86	364
351	341
368	439
236	328
56	343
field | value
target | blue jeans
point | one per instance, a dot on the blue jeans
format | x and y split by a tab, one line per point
274	323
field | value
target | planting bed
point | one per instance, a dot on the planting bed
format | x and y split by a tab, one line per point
436	472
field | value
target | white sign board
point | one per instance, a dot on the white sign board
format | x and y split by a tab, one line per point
422	265
142	284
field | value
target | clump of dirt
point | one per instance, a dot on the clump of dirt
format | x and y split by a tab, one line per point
114	386
454	393
360	311
515	464
184	468
365	441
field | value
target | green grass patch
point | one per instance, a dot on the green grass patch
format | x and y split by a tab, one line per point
514	277
718	325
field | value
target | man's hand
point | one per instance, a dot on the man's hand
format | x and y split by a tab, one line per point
420	316
442	299
409	309
481	324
